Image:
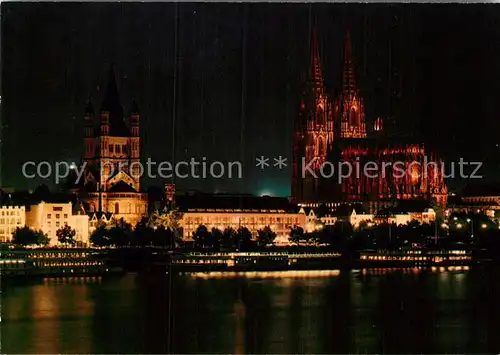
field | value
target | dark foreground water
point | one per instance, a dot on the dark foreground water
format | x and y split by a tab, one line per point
379	312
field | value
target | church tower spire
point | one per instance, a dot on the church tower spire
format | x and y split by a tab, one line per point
112	110
349	108
314	129
349	83
315	74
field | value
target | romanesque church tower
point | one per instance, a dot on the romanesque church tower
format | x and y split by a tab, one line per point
112	158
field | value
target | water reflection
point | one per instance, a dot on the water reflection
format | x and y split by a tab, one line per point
364	311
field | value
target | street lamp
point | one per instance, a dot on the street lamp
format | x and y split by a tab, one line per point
483	226
459	226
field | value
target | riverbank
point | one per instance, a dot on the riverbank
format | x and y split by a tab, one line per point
283	261
94	262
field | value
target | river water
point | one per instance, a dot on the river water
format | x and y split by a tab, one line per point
378	311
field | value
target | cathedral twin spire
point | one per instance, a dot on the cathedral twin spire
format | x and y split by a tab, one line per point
315	73
349	111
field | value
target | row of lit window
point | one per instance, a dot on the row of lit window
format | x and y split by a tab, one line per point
404	258
200	261
11	221
251	220
58	215
116	209
459	258
258	254
57	255
76	263
58	224
113	148
7	231
11	213
326	255
11	261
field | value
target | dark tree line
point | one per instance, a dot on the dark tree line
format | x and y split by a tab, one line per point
26	236
120	234
233	239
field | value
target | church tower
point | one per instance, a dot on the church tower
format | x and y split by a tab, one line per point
112	158
313	130
113	150
349	107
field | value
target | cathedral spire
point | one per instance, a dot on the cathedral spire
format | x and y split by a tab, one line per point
349	84
315	75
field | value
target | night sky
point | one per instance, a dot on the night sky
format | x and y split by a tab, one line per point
432	70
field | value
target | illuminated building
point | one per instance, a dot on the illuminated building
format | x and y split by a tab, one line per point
111	182
476	198
353	214
279	221
49	217
334	131
407	212
11	217
235	211
97	218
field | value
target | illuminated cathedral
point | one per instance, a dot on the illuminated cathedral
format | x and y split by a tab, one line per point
335	130
111	181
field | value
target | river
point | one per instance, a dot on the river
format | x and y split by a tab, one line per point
384	311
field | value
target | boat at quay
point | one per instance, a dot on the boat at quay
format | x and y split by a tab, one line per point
55	262
253	261
269	261
419	257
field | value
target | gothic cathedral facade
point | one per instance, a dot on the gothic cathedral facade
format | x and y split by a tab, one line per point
335	131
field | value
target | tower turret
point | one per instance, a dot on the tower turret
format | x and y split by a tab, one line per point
89	131
134	119
89	124
134	147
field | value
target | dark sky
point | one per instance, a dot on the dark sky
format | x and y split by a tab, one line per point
433	70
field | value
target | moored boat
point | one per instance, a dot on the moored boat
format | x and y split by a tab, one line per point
418	257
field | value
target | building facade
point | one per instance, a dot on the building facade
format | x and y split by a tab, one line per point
279	221
234	211
11	217
49	217
333	133
111	181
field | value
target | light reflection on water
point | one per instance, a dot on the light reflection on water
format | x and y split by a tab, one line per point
361	311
